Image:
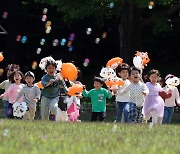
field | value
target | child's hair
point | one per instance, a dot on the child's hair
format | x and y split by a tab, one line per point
13	67
98	79
133	68
153	71
30	74
11	77
79	75
121	67
50	62
161	81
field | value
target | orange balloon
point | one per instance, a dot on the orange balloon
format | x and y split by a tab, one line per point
75	89
111	83
1	57
69	71
114	61
39	84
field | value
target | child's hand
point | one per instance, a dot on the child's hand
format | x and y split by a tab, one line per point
35	100
1	96
144	93
59	76
78	106
79	96
170	91
84	87
51	81
114	91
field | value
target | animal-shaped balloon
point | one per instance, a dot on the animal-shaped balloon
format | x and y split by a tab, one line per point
137	61
59	64
144	56
114	83
61	115
75	90
141	59
43	62
107	72
19	109
39	85
114	62
171	81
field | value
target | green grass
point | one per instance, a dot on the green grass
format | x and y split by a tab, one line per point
17	136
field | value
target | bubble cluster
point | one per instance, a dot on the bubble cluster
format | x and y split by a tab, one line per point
45	10
97	40
111	5
24	39
104	35
44	18
38	51
34	65
55	42
5	15
151	5
18	38
63	41
70	49
88	31
42	41
48	27
72	36
86	62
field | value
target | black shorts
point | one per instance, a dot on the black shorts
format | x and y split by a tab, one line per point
100	115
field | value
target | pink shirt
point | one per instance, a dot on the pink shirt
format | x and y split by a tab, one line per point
12	93
170	102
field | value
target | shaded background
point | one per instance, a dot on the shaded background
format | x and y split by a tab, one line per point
163	49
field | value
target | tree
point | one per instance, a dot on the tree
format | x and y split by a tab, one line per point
133	16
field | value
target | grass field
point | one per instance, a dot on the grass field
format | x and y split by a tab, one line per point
17	136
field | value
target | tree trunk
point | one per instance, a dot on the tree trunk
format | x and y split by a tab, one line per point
130	32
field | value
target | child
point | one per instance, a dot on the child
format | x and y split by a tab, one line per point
51	84
98	97
122	101
73	105
5	84
31	95
73	108
16	79
137	92
170	102
154	104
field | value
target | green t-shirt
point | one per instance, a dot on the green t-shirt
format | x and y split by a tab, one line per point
98	98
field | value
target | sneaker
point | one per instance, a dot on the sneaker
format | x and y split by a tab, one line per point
53	117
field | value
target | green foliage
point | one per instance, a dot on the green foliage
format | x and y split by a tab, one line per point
49	137
107	9
161	26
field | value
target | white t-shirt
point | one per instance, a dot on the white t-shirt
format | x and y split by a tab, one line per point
126	96
170	102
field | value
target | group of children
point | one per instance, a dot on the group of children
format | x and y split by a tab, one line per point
139	101
135	100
